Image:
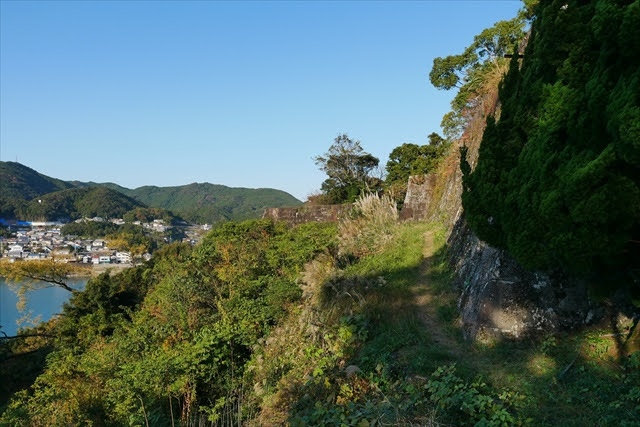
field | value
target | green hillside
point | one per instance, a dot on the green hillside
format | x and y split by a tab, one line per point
78	203
21	182
206	203
210	203
202	203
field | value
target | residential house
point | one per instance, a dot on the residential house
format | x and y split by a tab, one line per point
123	257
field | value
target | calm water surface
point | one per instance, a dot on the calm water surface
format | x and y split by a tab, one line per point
42	302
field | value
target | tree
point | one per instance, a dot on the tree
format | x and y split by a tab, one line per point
349	169
411	159
27	276
40	273
479	67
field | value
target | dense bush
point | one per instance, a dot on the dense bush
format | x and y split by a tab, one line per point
89	229
557	182
171	338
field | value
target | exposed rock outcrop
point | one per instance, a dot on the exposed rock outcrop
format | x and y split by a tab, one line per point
498	297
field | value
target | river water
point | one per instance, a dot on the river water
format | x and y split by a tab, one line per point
42	302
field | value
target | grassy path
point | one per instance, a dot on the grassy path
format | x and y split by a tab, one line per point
426	300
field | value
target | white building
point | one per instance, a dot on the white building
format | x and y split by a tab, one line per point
123	257
97	244
159	228
15	251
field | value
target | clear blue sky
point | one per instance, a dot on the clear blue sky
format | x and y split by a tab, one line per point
241	94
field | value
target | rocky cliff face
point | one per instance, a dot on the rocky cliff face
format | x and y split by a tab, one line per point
498	298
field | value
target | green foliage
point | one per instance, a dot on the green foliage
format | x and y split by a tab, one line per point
220	332
78	203
349	169
201	203
557	182
176	331
472	403
476	70
5	231
11	207
22	183
134	238
412	159
89	229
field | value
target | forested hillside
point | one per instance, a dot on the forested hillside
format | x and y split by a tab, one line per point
21	182
204	202
200	203
77	203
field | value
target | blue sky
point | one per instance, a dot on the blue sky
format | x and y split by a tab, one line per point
235	93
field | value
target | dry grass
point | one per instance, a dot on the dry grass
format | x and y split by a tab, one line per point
370	227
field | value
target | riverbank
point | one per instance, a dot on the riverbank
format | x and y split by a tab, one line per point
96	270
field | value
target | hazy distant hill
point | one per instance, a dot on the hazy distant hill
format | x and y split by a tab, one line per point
194	202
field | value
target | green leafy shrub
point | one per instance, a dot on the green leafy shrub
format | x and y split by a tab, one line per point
472	403
557	181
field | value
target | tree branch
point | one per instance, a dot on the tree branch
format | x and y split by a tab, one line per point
51	280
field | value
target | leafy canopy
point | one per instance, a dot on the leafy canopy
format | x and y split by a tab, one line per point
349	170
411	159
477	68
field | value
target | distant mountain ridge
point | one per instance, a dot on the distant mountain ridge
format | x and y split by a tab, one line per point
21	182
197	202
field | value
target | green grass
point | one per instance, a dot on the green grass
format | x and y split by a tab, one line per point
412	330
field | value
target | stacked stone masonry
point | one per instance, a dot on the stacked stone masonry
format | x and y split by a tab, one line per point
308	213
